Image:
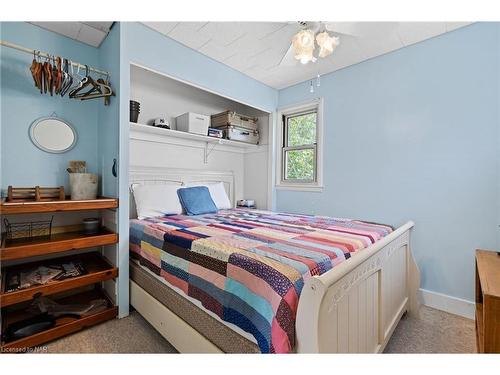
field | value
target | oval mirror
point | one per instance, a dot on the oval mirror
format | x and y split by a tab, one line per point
52	134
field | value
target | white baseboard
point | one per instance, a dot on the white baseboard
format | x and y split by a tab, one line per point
453	305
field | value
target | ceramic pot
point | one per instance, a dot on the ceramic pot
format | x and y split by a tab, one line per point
91	225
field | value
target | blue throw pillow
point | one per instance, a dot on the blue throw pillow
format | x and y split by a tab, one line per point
196	200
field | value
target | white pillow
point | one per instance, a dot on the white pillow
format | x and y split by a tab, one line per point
156	200
217	192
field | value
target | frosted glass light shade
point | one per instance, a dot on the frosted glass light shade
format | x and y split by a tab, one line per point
326	43
303	45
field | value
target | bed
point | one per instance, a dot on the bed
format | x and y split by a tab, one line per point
257	281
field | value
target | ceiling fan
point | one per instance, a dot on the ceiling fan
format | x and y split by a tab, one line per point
311	34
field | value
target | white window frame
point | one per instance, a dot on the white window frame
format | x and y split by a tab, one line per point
281	183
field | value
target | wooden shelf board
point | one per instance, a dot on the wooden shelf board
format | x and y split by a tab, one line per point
487	301
479	327
488	264
98	269
12	208
64	326
21	248
191	136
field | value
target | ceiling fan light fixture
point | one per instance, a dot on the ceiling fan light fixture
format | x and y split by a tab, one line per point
305	58
326	43
303	46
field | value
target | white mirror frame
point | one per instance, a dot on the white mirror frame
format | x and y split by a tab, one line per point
42	147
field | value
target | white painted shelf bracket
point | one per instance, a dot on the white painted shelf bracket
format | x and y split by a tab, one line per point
208	151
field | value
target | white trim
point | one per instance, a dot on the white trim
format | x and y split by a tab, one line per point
283	111
270	161
300	106
299	187
452	305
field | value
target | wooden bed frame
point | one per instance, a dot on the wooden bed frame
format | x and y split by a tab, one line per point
353	308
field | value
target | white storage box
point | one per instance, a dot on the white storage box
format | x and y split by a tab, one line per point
193	123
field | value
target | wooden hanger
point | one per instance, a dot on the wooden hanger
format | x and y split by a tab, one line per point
107	99
47	77
33	66
53	76
106	92
37	71
87	81
58	75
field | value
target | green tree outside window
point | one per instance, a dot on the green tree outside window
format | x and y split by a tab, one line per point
300	147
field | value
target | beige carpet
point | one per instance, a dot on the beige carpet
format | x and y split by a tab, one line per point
433	332
132	334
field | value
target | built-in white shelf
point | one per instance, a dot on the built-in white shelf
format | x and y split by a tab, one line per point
168	96
159	133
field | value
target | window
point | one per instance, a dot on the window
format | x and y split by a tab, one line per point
299	147
299	165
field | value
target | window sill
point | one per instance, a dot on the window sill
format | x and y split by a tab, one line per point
299	187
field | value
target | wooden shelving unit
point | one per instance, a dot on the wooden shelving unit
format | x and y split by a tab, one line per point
64	326
487	301
98	269
19	249
479	328
7	208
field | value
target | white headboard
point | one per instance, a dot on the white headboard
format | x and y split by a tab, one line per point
159	175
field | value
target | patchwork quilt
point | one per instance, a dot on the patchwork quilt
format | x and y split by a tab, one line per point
249	266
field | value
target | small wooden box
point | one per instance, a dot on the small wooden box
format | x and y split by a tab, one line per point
35	194
487	301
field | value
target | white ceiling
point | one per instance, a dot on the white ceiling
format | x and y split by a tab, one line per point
92	33
256	48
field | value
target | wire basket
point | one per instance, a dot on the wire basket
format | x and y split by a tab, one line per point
27	229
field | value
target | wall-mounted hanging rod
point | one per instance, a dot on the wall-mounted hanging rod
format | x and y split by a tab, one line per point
46	55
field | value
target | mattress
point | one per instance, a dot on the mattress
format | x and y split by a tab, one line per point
248	267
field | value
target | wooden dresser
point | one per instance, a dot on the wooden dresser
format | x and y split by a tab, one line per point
487	301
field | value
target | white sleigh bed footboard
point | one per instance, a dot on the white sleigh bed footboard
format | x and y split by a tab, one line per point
355	307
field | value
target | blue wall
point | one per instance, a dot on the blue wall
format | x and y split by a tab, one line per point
414	135
109	116
22	163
